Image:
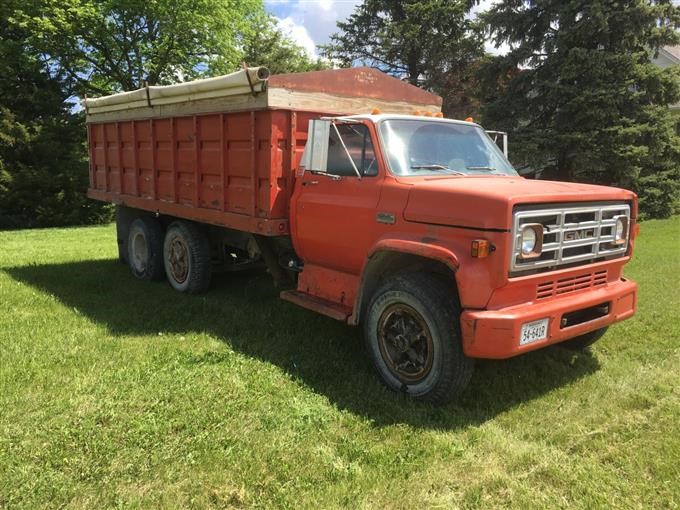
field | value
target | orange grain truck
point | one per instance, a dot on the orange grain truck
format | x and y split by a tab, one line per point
353	191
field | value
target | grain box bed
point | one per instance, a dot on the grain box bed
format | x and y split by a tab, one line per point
223	150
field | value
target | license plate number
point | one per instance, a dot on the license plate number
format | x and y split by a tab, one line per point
533	332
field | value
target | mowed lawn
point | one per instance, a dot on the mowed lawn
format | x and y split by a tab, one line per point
119	393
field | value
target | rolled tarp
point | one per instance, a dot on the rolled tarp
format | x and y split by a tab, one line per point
246	81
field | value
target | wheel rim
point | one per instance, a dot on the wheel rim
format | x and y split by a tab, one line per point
405	343
178	259
140	252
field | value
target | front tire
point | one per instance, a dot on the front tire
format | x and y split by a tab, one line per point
412	335
186	255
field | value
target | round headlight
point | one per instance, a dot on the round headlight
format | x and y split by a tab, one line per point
620	230
528	240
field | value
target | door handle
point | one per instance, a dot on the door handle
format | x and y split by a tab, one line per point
308	183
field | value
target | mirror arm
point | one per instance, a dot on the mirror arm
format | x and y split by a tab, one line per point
346	151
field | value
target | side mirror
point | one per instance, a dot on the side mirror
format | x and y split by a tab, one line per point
315	156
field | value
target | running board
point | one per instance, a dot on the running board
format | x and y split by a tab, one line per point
316	304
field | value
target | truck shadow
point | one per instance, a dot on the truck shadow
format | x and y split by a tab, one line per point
243	310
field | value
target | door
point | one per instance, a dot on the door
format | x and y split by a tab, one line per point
334	222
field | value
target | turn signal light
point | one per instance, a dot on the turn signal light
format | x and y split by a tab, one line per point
439	115
375	111
481	248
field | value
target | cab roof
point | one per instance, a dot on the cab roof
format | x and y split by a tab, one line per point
375	118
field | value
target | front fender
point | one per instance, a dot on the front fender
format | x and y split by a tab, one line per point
384	251
416	247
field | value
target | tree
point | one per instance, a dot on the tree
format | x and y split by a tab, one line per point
117	45
52	51
580	95
268	46
429	43
43	171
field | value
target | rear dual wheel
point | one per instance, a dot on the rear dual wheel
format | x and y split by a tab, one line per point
412	335
186	256
145	248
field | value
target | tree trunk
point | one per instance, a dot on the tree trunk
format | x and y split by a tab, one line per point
564	170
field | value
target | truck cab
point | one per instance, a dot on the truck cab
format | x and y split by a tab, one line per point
421	230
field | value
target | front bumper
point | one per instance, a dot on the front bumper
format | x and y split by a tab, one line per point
495	333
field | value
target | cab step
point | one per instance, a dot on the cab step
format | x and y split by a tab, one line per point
316	304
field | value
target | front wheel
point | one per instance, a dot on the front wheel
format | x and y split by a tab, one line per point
412	335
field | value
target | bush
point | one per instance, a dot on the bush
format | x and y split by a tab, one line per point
659	194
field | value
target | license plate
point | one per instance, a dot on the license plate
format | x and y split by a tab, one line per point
533	332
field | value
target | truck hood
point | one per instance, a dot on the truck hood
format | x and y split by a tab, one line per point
486	202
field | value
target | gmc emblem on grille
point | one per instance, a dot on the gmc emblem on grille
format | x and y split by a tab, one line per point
575	235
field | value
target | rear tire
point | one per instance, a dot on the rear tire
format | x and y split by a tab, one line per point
186	256
145	249
124	217
583	342
412	335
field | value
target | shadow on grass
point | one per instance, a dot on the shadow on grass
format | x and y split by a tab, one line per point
244	311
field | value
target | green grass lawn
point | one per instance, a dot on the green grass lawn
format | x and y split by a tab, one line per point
118	393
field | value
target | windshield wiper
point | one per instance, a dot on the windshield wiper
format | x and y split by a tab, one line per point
483	168
435	167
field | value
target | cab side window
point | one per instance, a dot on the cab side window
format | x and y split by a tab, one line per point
357	139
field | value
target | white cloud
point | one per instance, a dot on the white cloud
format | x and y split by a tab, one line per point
482	6
299	34
317	17
311	22
326	5
489	45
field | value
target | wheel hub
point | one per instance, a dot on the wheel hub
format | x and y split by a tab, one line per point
405	342
400	342
140	252
178	258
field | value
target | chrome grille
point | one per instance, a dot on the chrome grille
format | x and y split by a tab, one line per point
571	235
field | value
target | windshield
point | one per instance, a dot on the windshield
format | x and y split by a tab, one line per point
421	147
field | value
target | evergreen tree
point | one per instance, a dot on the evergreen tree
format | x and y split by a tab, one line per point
43	167
429	43
268	46
580	96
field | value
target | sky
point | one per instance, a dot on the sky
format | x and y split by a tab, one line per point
311	22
